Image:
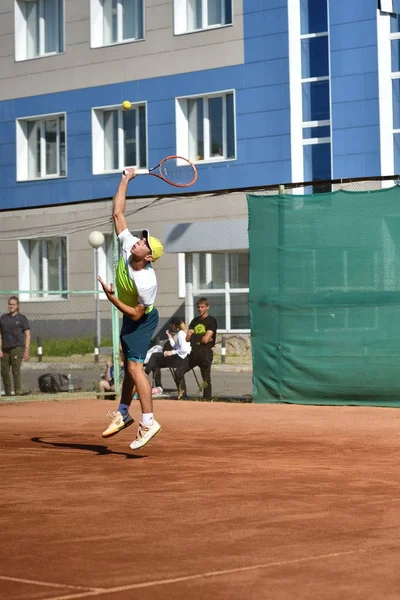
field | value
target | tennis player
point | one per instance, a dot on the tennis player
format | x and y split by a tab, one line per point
137	288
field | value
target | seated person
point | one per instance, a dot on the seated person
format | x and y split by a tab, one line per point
106	384
173	357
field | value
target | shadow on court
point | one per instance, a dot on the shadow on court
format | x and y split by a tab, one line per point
98	449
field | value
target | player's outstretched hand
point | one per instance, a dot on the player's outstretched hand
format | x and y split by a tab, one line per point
128	173
108	289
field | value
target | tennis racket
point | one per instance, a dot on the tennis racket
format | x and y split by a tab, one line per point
175	170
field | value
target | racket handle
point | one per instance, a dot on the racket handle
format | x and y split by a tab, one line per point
124	172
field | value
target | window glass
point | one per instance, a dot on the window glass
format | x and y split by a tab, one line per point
130	146
313	16
51	29
111	140
230	127
395	51
396	103
215	116
240	318
195	122
314	57
50	133
142	137
317	162
132	19
214	12
395	23
239	270
316	101
396	139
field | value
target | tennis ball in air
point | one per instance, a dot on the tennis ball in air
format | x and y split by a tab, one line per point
126	105
96	239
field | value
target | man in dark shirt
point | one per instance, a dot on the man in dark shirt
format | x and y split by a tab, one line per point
15	339
201	335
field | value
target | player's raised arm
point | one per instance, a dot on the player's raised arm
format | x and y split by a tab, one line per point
120	201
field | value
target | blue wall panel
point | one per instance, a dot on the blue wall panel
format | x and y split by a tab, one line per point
345	11
354	89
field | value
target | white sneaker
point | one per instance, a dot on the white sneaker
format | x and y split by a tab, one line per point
144	434
118	422
156	391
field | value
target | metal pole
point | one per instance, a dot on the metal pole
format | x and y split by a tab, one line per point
98	322
115	321
223	349
39	349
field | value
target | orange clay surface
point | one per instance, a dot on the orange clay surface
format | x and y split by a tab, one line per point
232	501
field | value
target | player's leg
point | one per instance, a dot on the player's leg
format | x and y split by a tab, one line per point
181	369
153	367
139	344
121	418
205	369
104	386
5	372
16	362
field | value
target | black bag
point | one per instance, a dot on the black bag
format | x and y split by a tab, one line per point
51	383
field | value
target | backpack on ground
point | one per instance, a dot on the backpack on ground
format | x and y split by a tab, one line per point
51	383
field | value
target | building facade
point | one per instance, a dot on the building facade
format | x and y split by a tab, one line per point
254	92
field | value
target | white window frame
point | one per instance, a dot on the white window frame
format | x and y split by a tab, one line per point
98	160
181	17
97	25
189	278
182	126
22	149
24	262
21	30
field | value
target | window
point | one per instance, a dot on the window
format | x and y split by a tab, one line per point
194	15
206	127
39	28
119	138
43	267
223	278
41	149
116	21
315	84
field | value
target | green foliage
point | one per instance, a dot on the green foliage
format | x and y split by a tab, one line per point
67	347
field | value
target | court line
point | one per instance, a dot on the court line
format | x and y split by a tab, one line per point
54	585
207	574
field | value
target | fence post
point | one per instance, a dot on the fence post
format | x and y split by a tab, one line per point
96	349
223	348
39	349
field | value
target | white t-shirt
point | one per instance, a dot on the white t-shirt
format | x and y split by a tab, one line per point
145	280
180	345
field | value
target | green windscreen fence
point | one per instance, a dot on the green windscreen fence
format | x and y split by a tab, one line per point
325	297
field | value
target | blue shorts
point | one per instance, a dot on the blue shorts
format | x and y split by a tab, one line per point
136	335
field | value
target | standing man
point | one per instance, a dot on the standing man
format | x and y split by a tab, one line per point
201	335
15	340
137	288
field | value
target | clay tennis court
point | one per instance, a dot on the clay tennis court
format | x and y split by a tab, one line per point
229	501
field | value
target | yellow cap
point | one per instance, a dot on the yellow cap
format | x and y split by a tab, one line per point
155	245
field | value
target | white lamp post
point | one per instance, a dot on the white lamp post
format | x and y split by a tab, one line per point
96	239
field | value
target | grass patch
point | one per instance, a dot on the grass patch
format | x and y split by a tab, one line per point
76	346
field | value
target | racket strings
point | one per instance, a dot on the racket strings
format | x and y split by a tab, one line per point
178	171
